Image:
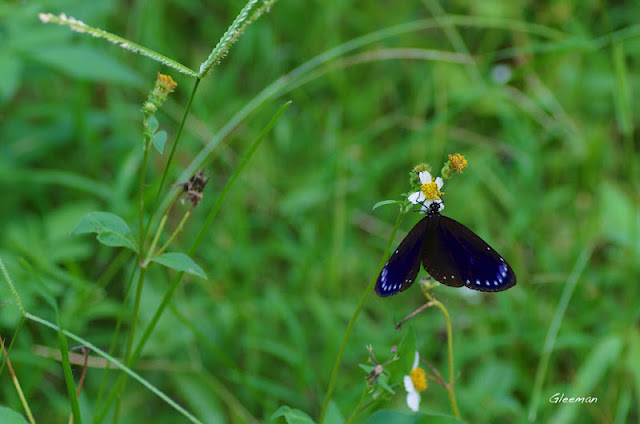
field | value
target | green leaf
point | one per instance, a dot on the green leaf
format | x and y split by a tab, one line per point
152	124
406	354
9	416
10	69
293	416
388	202
87	63
158	140
180	262
111	229
632	365
333	414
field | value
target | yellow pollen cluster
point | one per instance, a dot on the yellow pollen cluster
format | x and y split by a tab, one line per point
458	162
431	190
164	85
166	82
419	379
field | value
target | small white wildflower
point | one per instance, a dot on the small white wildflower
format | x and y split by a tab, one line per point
414	383
429	191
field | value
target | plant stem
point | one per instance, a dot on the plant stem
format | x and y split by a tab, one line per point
16	383
175	144
169	160
450	385
361	405
146	384
175	232
203	231
347	333
159	230
132	332
143	171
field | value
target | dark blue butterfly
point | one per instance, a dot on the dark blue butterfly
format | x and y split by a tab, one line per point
450	252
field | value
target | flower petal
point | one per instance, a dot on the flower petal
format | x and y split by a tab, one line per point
416	361
425	177
408	384
413	401
417	197
439	183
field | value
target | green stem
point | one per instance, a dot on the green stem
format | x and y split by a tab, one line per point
554	328
347	333
12	288
450	385
16	383
175	144
136	312
175	233
143	171
99	414
160	228
132	332
68	374
173	149
118	364
163	221
361	405
203	231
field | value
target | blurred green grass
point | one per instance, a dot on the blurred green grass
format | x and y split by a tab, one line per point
553	173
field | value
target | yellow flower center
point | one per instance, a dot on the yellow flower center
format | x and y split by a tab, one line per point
431	190
419	379
458	162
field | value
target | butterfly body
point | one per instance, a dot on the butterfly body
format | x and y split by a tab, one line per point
450	252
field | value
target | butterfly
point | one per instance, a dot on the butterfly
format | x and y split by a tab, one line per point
450	252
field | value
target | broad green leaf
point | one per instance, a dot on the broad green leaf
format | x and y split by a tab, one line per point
406	354
158	140
333	415
10	69
111	229
180	262
9	416
87	63
292	416
152	125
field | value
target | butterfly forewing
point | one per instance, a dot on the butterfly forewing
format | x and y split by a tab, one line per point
454	255
402	267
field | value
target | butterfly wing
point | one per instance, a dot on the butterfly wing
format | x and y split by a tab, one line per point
402	267
455	256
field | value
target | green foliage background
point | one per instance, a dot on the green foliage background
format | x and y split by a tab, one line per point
552	185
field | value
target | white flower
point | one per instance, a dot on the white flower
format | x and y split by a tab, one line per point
414	383
429	191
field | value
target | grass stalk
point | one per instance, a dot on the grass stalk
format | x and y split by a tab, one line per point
356	312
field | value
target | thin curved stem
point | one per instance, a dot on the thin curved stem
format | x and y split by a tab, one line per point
361	405
347	333
450	385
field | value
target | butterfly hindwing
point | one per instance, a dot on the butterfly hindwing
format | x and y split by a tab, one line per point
455	256
402	267
436	256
